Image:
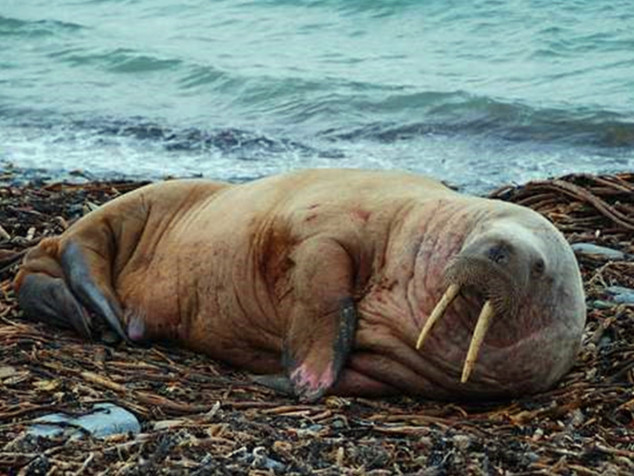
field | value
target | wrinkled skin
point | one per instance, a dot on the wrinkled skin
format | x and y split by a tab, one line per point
321	280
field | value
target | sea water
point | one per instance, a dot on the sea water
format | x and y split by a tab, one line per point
475	92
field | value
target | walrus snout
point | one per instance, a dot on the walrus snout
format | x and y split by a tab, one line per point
491	281
497	268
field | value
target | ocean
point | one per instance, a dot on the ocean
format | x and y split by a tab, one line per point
478	93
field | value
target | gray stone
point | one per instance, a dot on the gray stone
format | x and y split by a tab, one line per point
104	420
592	249
599	304
621	294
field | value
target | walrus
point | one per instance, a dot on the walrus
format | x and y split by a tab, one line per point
320	281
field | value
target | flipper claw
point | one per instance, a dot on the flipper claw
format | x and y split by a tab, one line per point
278	382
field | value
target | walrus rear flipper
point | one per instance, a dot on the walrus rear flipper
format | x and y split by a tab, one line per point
68	281
43	291
48	299
86	279
324	319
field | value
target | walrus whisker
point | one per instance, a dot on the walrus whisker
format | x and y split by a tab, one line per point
484	320
446	299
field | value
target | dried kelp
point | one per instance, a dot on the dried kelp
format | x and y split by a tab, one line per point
200	417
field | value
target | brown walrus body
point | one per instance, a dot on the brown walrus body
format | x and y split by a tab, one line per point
324	277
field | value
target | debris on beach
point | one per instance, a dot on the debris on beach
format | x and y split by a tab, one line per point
592	249
198	416
104	419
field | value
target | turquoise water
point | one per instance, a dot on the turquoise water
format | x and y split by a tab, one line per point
475	92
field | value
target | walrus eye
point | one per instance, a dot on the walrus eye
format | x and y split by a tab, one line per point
538	267
499	253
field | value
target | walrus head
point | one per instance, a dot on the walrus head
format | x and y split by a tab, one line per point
525	278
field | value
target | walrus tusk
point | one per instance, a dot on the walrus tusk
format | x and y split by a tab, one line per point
446	299
484	320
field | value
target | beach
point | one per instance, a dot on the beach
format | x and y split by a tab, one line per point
199	417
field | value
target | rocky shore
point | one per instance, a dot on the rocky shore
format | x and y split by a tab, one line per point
199	417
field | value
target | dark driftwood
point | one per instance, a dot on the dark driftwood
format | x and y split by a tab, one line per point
200	417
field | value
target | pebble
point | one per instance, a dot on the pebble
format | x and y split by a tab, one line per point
270	463
7	371
259	459
602	304
338	424
532	457
621	294
105	420
592	249
461	442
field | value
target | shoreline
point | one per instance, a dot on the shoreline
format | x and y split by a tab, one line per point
15	176
197	414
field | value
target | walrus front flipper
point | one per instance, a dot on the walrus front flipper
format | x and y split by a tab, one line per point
299	383
324	319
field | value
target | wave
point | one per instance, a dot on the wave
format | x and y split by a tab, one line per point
38	146
13	26
249	145
242	144
119	60
461	113
351	116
